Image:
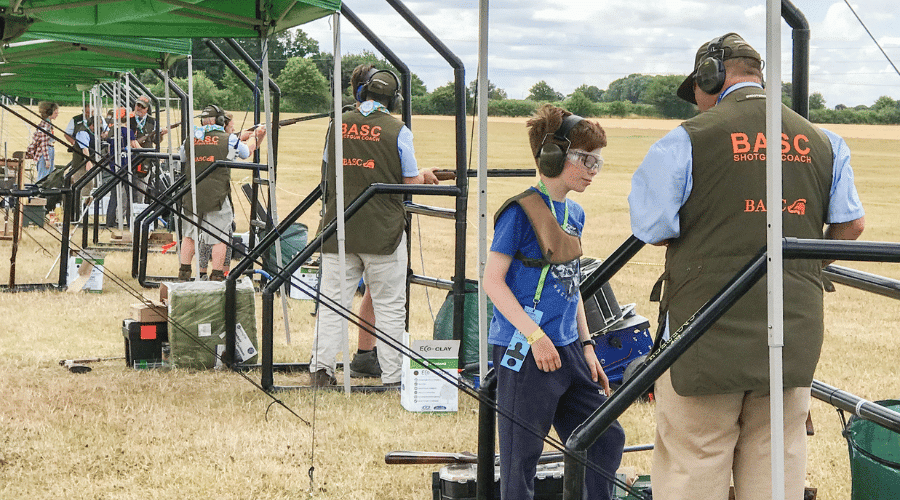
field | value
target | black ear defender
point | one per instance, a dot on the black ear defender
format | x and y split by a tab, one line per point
220	115
710	74
365	92
552	157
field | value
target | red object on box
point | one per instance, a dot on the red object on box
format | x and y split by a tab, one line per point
148	332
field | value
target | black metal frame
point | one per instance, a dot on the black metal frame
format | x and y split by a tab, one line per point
687	334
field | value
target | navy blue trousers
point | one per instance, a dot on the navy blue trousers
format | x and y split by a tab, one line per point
563	398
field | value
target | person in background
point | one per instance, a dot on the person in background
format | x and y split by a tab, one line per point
213	142
377	148
127	139
699	192
547	370
82	119
41	148
144	126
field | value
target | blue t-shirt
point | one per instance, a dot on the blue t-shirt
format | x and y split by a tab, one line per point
559	297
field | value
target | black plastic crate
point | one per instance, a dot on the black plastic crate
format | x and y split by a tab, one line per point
143	341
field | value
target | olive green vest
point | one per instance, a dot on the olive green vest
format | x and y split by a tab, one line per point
723	226
215	188
370	156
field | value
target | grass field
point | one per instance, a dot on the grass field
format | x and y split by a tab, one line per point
119	433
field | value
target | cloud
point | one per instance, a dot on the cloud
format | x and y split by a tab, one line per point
568	44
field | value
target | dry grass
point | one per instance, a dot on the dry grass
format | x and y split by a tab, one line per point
118	433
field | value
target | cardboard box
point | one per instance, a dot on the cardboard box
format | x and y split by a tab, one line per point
161	238
95	282
424	390
154	312
304	283
136	209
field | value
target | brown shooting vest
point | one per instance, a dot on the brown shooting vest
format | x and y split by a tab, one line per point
215	188
370	156
557	246
723	226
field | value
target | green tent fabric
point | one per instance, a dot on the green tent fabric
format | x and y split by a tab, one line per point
59	66
101	52
164	18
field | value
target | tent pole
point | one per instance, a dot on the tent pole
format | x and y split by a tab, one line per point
171	171
482	98
117	149
126	105
775	274
339	190
273	202
193	165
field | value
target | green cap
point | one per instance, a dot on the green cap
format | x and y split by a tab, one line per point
731	46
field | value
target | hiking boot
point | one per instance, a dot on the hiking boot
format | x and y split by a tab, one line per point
321	378
365	365
184	273
217	275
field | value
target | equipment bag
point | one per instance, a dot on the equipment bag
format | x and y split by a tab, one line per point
874	457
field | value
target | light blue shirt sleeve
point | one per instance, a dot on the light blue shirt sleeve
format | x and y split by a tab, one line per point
83	139
844	204
243	151
660	186
408	162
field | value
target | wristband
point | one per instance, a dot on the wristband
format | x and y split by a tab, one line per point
534	337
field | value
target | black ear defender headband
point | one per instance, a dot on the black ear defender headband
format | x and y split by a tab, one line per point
220	114
364	92
710	74
552	157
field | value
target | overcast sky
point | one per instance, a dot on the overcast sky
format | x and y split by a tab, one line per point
595	42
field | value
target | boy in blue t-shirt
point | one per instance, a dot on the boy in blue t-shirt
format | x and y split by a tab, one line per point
547	370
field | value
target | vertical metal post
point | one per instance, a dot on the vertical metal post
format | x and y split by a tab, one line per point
191	161
482	183
339	190
774	258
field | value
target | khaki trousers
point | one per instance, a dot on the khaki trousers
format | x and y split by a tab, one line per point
704	441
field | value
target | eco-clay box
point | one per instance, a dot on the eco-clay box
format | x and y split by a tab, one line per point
421	389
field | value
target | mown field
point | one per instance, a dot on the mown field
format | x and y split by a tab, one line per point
120	433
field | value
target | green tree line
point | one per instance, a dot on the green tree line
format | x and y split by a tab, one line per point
303	74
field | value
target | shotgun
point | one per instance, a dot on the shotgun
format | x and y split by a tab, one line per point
438	458
445	174
291	121
151	137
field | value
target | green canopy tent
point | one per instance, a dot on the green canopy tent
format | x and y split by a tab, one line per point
162	18
61	65
176	19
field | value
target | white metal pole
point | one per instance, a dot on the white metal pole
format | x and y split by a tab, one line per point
193	164
126	105
171	171
483	80
272	188
117	152
339	190
775	271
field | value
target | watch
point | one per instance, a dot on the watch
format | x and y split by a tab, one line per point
585	343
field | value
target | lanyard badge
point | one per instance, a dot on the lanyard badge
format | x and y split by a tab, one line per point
518	348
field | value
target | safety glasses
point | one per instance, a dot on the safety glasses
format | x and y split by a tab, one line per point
590	161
